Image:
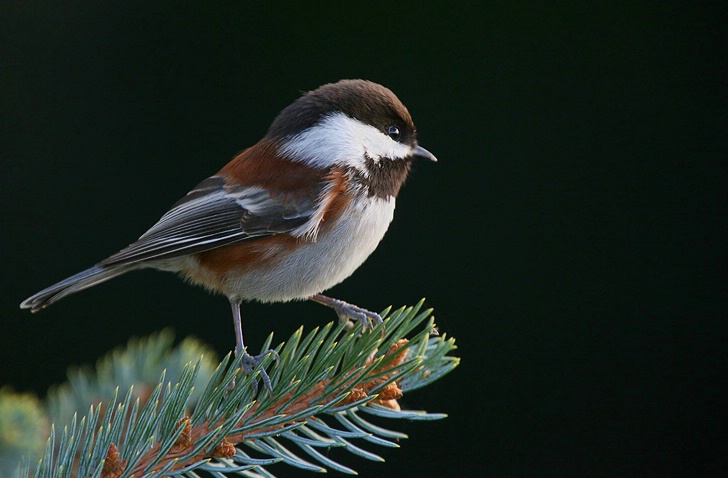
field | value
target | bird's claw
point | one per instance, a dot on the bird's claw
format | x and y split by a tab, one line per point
250	362
367	318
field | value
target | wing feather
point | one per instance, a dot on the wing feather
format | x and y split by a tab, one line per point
213	215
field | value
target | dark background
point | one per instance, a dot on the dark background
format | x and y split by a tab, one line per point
571	236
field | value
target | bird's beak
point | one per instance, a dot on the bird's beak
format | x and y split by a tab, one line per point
420	152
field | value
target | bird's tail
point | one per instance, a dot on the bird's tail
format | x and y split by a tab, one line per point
82	280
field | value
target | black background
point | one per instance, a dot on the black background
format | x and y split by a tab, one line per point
571	236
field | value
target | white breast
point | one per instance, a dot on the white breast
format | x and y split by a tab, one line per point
319	265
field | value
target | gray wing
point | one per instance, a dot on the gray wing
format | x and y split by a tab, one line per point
214	215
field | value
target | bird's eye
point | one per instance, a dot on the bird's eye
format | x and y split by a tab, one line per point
393	132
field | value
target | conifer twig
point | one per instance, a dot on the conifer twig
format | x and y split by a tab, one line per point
330	373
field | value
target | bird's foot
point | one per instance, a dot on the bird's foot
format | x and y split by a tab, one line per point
346	311
249	364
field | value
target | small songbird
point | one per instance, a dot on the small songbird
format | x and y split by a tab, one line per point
287	218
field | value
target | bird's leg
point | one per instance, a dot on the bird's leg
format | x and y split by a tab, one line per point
249	362
345	311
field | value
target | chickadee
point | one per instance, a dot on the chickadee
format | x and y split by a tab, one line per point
287	218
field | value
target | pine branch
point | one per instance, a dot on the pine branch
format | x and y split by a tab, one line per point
321	388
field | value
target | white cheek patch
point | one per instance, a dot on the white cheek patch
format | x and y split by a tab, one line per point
339	139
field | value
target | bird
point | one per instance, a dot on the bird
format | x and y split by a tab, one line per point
287	218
